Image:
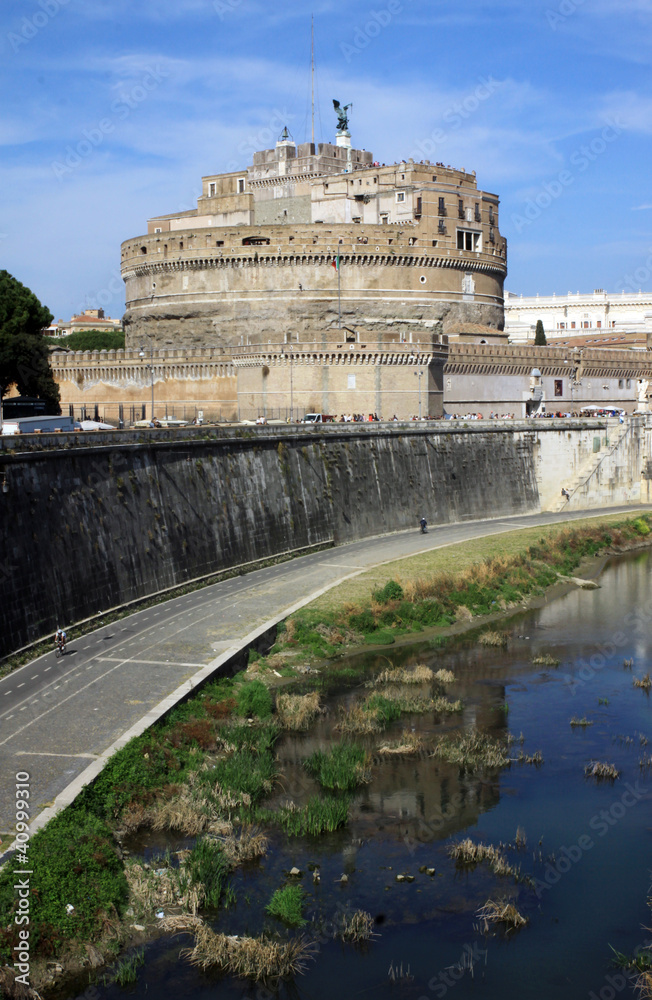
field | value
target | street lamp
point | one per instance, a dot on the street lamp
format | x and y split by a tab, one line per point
150	366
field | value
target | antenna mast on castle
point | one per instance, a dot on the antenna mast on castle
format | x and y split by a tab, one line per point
312	72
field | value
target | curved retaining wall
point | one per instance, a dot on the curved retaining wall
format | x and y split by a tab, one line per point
87	528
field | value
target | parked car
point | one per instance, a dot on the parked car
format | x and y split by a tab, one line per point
318	418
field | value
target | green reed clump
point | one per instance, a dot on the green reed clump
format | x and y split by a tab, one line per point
340	769
316	817
287	905
206	869
126	972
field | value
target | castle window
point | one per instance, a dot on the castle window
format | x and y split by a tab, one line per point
467	239
435	242
460	208
400	195
219	243
357	218
572	326
143	249
211	190
559	387
599	324
442	206
384	218
241	185
159	230
478	216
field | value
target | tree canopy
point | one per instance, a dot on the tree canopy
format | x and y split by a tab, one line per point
90	340
24	354
540	335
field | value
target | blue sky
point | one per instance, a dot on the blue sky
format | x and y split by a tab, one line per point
114	109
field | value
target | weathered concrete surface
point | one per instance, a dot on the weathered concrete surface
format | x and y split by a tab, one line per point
83	530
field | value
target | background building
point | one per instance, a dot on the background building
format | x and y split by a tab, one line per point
598	314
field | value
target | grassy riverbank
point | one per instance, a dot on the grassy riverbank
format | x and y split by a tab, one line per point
209	768
446	586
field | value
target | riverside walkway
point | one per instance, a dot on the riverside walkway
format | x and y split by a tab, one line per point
61	719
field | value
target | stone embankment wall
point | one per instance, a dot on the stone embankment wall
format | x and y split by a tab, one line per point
85	527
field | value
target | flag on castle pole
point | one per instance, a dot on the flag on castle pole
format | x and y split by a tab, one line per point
336	262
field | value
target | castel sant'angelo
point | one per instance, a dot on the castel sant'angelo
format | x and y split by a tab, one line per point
419	247
318	279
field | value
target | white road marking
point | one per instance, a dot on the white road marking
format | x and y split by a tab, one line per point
44	753
6	693
22	685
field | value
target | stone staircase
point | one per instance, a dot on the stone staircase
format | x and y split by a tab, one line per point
584	473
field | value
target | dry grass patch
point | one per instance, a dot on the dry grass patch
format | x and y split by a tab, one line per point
501	911
407	744
643	682
583	722
296	712
247	846
466	853
471	749
260	959
601	770
493	639
357	927
444	676
546	660
357	720
421	674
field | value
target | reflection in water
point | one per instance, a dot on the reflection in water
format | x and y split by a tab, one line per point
583	899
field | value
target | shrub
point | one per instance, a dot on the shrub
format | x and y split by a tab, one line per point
253	698
287	905
363	622
392	591
641	527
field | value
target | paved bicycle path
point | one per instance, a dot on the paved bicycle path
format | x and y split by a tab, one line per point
58	716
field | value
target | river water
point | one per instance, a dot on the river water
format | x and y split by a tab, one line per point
589	844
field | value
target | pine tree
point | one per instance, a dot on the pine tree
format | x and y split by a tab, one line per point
540	335
24	354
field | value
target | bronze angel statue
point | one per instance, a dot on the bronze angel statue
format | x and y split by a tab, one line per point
342	117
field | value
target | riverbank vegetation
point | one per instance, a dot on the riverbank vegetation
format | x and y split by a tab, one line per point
211	770
410	603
